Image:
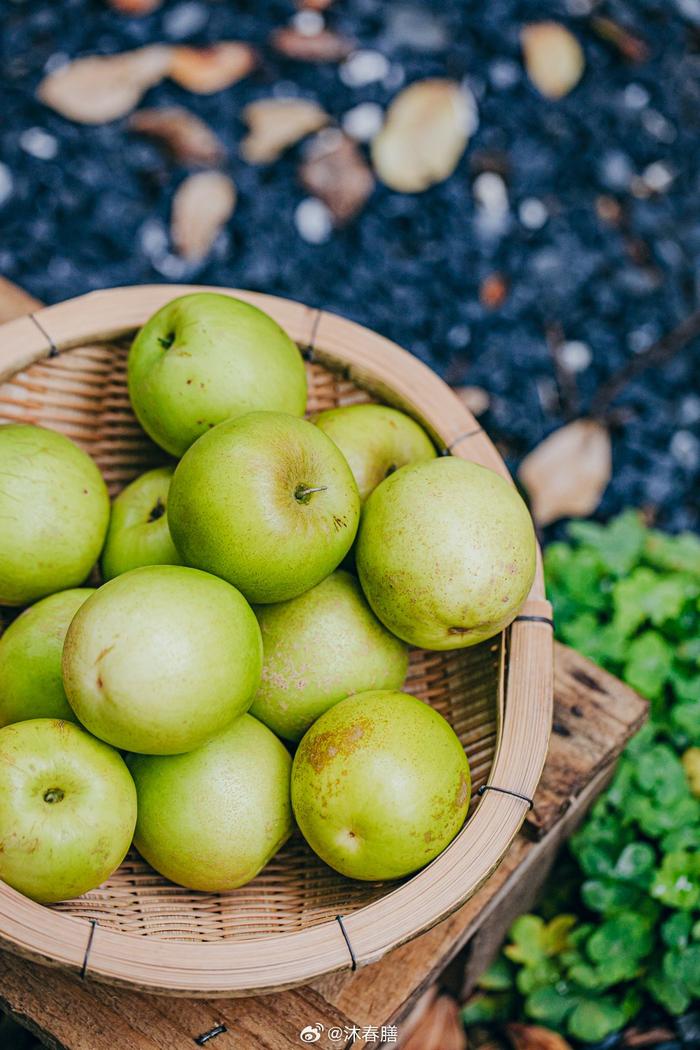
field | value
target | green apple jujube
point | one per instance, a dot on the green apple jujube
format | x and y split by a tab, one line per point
54	510
445	553
31	685
380	785
207	357
212	819
318	649
138	532
376	440
162	658
67	809
267	502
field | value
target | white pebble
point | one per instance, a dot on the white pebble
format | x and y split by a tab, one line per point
575	356
459	336
364	121
690	410
154	239
503	73
657	126
658	176
308	23
395	78
38	143
184	20
313	221
364	67
532	213
685	449
490	192
640	339
636	96
6	183
56	61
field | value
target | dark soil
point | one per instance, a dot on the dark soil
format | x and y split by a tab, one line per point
88	207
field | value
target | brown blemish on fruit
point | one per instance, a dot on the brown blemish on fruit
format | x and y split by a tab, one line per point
103	653
320	751
100	683
339	523
462	793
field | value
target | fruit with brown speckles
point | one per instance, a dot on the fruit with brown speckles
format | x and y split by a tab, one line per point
241	361
445	553
376	440
67	809
161	659
380	785
267	502
319	648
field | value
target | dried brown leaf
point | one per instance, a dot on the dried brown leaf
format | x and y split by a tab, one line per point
567	474
100	88
439	1028
426	130
135	7
325	46
201	206
335	170
187	138
206	70
476	399
276	124
553	58
631	47
535	1037
493	291
314	5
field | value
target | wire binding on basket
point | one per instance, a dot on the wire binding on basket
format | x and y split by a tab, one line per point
463	437
308	351
218	1029
505	791
535	619
339	920
88	948
53	349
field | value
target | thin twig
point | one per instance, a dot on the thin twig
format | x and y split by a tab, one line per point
662	350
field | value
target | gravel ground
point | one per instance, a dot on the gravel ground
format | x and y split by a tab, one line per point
589	209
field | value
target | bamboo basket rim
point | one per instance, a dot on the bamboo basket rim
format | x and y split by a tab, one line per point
271	962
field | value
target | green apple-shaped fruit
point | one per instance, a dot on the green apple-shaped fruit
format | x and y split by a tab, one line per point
67	809
31	685
138	532
376	440
267	502
380	785
318	649
162	658
54	510
212	819
207	357
445	553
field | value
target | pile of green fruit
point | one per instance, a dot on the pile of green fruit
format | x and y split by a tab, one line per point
162	706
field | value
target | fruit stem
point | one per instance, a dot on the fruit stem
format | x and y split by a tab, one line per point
53	795
302	493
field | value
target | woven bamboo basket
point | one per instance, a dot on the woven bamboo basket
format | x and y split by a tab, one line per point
64	367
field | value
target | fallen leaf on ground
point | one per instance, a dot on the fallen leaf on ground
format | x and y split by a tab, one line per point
314	5
426	130
100	88
201	206
206	70
567	474
535	1037
276	124
135	7
476	399
493	291
335	170
187	138
630	46
439	1028
325	46
553	58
